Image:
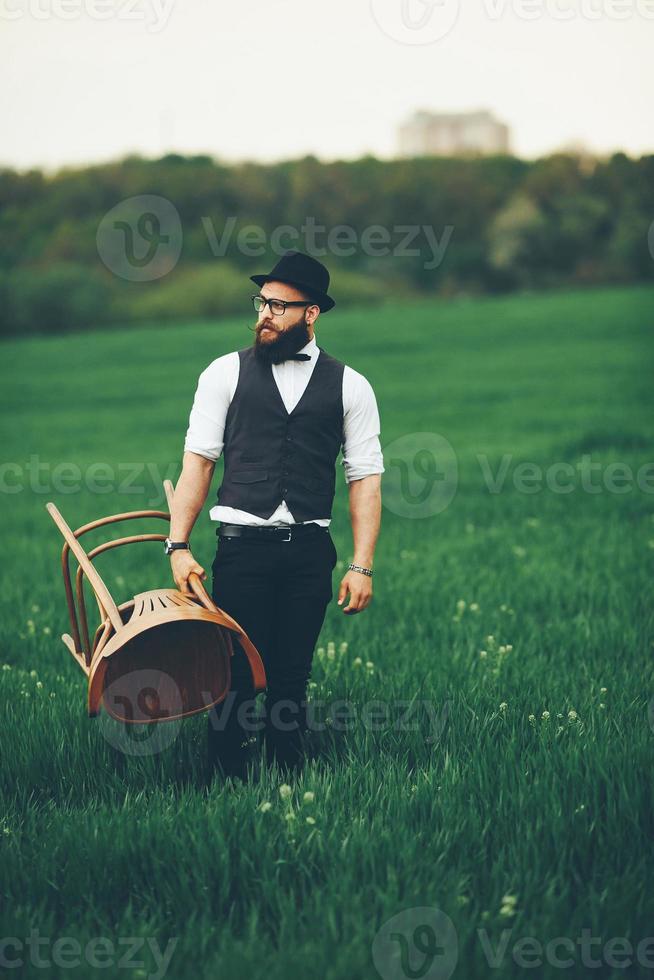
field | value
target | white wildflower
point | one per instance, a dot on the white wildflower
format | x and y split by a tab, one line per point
508	906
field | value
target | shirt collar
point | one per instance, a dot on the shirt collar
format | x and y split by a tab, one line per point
311	348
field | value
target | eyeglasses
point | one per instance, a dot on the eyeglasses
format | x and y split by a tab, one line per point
277	306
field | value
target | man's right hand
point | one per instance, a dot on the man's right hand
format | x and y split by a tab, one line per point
182	563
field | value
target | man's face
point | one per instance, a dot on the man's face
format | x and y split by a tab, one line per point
277	336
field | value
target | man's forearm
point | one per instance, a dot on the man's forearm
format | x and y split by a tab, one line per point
365	515
190	494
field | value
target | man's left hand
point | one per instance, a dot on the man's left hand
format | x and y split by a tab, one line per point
360	588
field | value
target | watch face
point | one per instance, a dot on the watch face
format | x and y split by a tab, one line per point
169	546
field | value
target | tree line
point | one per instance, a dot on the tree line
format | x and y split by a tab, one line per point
415	227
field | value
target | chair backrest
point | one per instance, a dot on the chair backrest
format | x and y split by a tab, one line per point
106	604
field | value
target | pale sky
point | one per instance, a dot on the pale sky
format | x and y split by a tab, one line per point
85	81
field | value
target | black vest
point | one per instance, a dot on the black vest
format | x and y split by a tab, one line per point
273	455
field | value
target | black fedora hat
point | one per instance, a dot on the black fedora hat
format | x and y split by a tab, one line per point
305	272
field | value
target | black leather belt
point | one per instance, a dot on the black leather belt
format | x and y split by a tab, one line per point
277	532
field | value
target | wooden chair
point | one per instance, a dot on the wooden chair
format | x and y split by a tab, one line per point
161	656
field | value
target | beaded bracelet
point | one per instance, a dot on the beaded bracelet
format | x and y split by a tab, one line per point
358	568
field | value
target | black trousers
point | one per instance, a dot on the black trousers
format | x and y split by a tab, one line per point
278	591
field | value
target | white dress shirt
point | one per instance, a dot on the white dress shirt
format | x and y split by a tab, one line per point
362	455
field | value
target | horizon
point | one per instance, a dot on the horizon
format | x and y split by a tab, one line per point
56	169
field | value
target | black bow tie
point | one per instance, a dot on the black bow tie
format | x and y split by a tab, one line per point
299	357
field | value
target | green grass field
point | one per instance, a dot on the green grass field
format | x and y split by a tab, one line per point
466	802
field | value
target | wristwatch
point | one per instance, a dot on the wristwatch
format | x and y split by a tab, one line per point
175	546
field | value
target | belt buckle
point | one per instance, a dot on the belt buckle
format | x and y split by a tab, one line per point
287	530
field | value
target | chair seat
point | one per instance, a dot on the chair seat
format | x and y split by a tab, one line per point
154	600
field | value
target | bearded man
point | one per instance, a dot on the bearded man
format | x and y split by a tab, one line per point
279	411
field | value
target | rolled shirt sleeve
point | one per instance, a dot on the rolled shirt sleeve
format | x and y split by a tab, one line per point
362	454
206	426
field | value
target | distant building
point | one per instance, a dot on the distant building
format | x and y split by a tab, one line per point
453	134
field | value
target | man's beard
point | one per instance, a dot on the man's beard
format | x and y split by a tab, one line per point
286	343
